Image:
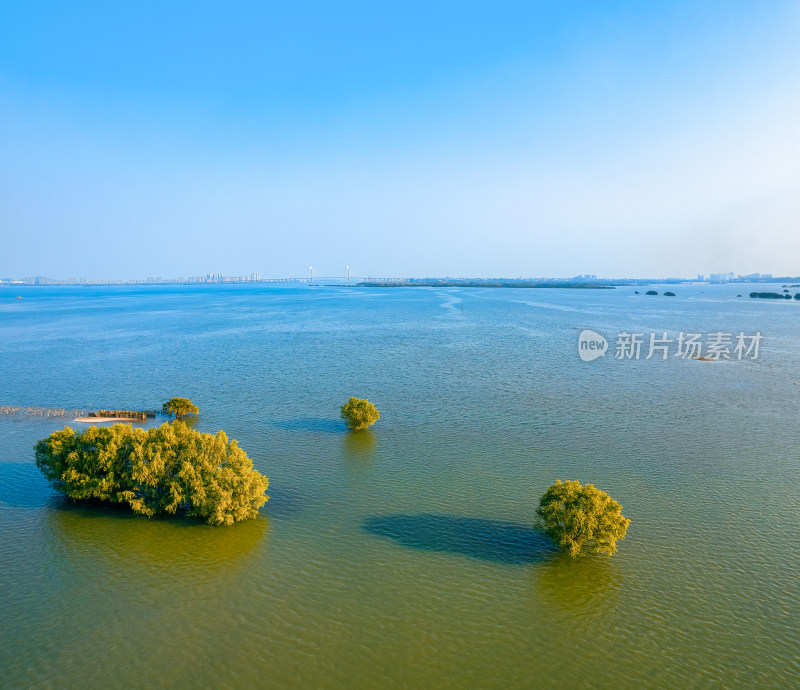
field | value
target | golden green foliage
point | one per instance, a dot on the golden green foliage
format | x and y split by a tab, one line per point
157	471
359	414
581	518
90	464
179	407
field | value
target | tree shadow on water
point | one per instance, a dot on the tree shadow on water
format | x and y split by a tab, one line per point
23	486
489	540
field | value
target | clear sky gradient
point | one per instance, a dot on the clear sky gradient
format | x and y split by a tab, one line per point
405	139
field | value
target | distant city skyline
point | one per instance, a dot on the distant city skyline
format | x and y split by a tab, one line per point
256	277
503	138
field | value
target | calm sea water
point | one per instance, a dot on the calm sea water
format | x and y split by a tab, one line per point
406	556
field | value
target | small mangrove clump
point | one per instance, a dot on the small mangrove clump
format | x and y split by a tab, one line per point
581	518
160	471
359	414
179	407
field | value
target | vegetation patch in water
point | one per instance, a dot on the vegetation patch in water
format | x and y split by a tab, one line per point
161	471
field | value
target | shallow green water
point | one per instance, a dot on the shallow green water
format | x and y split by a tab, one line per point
405	556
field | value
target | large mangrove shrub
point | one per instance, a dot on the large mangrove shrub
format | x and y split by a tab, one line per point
581	518
359	414
166	470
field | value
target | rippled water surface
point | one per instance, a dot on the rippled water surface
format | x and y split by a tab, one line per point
406	556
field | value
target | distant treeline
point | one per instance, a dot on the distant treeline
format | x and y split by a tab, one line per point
125	414
773	295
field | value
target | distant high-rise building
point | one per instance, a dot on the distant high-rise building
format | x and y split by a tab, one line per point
720	277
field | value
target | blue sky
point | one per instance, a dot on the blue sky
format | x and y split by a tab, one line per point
464	139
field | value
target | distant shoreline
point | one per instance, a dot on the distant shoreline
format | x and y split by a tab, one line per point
480	284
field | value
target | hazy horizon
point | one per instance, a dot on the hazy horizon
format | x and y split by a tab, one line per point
207	278
469	139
